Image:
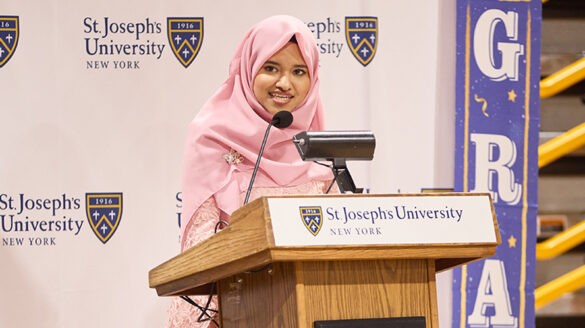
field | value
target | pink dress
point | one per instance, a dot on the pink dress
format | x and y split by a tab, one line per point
182	314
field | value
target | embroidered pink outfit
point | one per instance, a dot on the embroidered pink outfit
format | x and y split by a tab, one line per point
224	139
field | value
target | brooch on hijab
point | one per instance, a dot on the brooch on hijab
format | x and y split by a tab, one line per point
233	157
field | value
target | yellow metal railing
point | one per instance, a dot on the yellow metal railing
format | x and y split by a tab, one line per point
560	146
566	283
563	79
574	138
547	153
554	289
561	242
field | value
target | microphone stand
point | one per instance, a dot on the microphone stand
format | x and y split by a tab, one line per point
281	120
258	162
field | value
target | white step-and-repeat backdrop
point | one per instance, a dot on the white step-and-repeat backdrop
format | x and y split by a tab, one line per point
94	110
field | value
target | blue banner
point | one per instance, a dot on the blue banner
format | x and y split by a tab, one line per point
497	119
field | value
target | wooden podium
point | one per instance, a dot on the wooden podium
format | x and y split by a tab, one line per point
261	284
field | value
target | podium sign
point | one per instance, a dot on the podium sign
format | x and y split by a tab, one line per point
396	220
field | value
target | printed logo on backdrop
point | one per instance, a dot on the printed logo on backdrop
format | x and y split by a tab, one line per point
104	212
119	44
328	35
179	206
185	37
9	33
39	221
362	37
332	38
27	220
312	217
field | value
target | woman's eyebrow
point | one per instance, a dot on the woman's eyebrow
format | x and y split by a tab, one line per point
271	62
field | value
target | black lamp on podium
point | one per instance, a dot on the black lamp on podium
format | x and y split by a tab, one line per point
337	147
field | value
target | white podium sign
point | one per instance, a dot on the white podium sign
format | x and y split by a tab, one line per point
371	220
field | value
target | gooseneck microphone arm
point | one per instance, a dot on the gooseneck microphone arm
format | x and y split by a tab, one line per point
280	120
257	164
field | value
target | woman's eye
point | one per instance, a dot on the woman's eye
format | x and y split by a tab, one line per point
270	68
299	72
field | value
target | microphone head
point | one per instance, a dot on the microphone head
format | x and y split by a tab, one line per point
282	119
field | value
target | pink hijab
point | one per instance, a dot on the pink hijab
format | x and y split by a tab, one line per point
234	120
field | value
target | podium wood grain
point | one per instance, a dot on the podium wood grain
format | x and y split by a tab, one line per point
297	294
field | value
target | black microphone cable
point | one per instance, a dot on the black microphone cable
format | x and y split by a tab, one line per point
332	182
334	176
205	309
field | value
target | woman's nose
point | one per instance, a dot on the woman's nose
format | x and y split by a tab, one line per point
283	82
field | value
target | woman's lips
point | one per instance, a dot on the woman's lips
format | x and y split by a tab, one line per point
281	99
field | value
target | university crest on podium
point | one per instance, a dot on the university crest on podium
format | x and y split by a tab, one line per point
9	32
361	34
104	212
185	36
312	217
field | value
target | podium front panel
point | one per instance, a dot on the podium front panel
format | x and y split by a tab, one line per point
298	294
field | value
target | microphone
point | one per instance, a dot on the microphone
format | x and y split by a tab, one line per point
281	120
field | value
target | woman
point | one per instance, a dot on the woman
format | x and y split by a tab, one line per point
275	68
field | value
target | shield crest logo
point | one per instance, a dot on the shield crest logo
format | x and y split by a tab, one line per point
9	33
361	34
104	212
312	218
185	36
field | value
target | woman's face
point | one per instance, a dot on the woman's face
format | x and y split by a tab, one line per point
283	81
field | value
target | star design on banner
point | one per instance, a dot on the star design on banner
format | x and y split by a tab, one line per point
512	241
512	95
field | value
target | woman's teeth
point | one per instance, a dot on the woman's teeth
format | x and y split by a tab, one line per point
280	96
